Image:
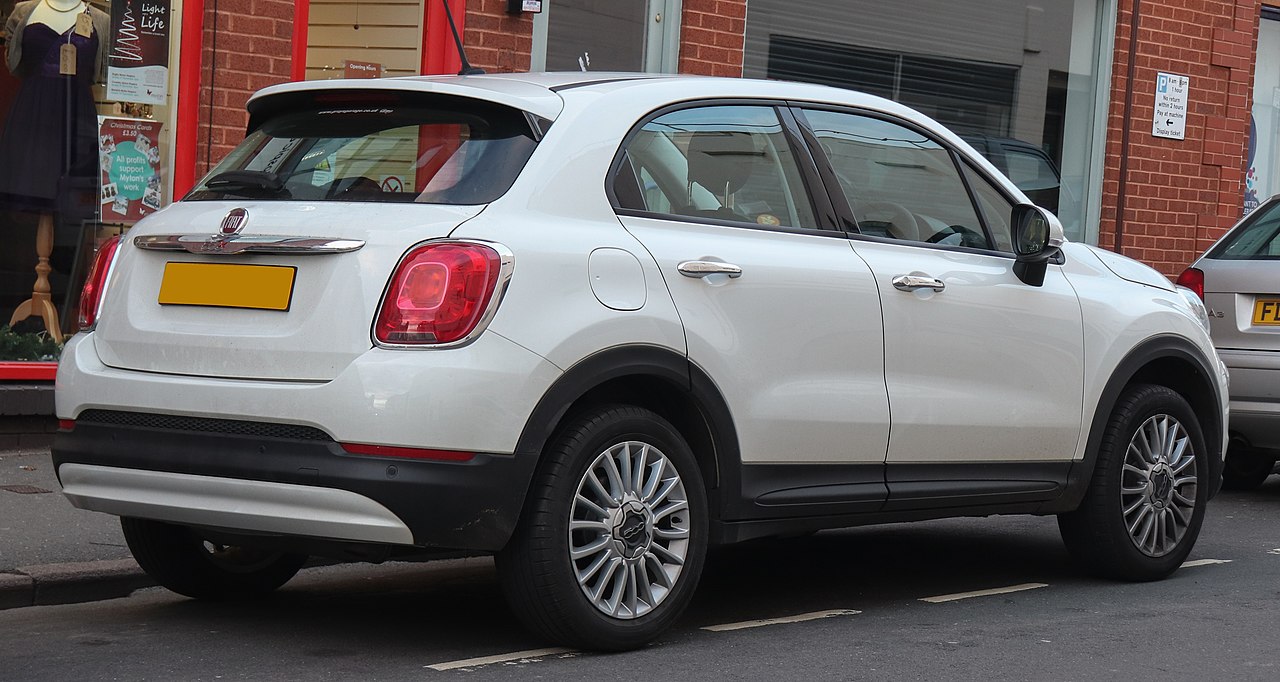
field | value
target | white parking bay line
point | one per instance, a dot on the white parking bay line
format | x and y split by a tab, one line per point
500	658
983	593
1204	562
816	615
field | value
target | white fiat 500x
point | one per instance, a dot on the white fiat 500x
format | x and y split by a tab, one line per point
596	323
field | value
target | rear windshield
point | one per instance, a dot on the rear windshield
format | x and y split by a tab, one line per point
374	146
1257	239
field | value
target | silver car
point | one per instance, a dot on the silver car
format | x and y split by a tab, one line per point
1239	280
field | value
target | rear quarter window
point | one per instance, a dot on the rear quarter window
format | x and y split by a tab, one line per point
1257	239
374	146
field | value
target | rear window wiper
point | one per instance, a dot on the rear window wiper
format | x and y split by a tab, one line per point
247	183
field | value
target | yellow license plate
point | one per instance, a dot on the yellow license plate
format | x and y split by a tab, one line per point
1266	311
222	285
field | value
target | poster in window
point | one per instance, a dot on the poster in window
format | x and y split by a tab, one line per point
129	164
138	64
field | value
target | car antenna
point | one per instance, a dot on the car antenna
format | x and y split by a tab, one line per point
467	68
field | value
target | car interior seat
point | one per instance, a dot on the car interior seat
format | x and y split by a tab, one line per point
721	161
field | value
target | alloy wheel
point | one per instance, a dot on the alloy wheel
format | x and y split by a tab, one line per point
629	529
1158	485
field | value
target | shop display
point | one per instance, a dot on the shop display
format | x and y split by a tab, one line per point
56	48
129	165
138	65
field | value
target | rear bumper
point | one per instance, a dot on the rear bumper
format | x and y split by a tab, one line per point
290	486
1255	396
231	503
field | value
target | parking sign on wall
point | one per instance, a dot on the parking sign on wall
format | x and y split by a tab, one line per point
1171	106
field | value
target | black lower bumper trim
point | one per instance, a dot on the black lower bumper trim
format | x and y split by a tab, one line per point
472	505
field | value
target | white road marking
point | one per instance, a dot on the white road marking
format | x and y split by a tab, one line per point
500	658
1274	551
983	593
816	615
1204	562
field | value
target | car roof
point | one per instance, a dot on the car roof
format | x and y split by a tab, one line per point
540	93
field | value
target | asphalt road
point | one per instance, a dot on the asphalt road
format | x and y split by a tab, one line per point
855	604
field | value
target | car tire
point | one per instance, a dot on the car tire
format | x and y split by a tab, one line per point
181	560
603	559
1246	468
1145	504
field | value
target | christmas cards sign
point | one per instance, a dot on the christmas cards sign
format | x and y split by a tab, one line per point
130	168
138	64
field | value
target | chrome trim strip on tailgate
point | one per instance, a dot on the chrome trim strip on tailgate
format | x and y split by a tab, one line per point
264	243
231	503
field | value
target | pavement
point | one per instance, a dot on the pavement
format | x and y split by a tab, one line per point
51	552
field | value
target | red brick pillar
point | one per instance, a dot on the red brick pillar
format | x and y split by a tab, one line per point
247	46
496	41
1179	195
711	37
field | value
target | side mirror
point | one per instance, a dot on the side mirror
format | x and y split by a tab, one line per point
1037	236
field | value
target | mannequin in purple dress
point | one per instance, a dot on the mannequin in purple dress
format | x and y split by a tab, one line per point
50	138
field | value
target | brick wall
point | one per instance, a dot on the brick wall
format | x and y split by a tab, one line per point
496	41
711	37
253	50
1180	194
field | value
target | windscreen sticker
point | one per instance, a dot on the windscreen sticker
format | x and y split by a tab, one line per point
273	154
323	173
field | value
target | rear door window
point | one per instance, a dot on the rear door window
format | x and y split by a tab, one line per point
723	162
377	147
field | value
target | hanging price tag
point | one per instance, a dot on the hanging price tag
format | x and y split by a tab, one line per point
84	25
67	59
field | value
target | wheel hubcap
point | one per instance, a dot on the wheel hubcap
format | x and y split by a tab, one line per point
1158	485
629	529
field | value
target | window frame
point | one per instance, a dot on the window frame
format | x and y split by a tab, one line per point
812	186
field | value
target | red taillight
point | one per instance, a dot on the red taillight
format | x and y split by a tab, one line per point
66	424
1193	279
438	294
96	283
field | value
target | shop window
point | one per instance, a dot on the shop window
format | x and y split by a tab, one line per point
86	128
606	35
366	39
1016	81
1261	177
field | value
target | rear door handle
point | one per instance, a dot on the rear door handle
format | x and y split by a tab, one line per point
702	268
913	282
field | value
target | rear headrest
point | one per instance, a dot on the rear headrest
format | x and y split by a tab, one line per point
721	161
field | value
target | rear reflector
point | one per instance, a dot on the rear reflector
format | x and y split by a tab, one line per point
408	453
66	424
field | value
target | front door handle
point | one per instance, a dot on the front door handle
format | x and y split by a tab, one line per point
702	268
913	282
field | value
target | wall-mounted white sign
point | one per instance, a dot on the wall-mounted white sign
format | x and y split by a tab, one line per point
1172	94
